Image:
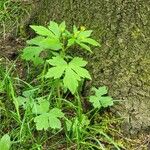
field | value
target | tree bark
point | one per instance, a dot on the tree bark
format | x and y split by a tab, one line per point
123	61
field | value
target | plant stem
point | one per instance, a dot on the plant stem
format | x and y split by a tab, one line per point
14	99
79	115
42	78
59	96
79	106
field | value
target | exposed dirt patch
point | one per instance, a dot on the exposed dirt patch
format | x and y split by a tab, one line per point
10	50
10	47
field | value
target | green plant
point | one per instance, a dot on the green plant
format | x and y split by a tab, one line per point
58	41
71	73
46	117
99	100
66	73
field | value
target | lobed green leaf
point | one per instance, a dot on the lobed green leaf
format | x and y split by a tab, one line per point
42	31
55	72
72	71
75	30
57	61
90	41
36	40
42	121
33	53
99	99
62	26
77	61
85	34
84	46
50	119
54	28
49	43
41	107
71	80
106	101
71	42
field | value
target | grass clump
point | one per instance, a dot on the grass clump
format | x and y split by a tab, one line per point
12	14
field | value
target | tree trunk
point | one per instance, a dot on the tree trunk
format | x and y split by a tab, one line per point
123	61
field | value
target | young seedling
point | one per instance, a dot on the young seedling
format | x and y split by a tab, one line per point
99	100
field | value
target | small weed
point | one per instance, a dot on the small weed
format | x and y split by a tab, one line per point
50	108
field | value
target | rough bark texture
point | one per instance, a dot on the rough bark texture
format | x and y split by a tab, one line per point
123	61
